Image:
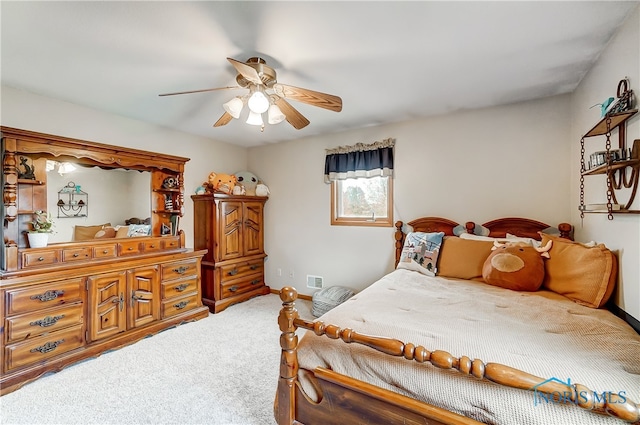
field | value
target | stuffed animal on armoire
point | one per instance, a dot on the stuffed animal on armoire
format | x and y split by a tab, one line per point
248	180
221	182
517	266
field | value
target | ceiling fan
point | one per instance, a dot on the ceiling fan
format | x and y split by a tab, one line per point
267	95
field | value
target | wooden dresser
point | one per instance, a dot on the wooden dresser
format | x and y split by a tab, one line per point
231	228
73	300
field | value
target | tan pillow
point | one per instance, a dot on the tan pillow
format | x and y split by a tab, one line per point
106	232
83	233
463	258
587	275
122	232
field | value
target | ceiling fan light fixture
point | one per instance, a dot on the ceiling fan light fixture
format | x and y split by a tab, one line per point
234	107
275	115
258	102
254	118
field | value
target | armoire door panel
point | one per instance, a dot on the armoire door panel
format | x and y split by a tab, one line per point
107	305
144	292
253	237
231	238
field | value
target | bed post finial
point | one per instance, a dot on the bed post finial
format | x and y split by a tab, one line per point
566	230
470	227
285	398
399	236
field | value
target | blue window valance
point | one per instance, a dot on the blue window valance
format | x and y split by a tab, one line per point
359	160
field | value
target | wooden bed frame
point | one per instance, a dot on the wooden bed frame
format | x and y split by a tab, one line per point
345	400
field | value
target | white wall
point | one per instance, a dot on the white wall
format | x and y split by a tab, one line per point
621	58
32	112
467	166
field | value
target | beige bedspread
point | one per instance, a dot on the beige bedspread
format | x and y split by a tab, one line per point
541	333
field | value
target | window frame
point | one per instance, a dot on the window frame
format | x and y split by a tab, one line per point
361	221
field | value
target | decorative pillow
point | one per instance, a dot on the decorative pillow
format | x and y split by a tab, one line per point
420	252
106	232
122	232
470	236
139	230
463	258
587	275
516	265
83	233
530	241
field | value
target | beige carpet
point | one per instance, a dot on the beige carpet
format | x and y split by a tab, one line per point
219	370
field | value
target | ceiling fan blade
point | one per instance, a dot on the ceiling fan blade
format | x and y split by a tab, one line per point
295	118
200	91
247	71
223	120
315	98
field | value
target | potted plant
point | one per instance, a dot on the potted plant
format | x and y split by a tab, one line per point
42	227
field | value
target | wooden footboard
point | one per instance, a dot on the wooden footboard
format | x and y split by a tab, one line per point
346	400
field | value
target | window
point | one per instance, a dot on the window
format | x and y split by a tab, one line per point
362	201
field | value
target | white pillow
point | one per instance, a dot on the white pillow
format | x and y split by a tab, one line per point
480	238
533	242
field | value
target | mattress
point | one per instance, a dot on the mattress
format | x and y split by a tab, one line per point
541	333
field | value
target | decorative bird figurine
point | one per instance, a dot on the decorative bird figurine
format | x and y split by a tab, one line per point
262	189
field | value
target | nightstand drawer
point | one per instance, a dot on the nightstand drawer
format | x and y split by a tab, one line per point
240	269
179	269
105	251
152	246
177	288
170	242
179	305
44	296
129	248
241	285
41	258
31	325
42	348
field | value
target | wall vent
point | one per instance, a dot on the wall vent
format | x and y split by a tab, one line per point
314	281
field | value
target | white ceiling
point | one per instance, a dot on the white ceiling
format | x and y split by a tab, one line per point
389	61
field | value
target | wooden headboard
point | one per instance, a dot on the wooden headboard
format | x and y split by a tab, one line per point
523	227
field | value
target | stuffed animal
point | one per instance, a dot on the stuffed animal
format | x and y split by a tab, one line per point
262	189
517	266
222	182
248	180
238	189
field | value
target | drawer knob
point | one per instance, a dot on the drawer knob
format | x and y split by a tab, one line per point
105	251
181	287
153	246
181	270
40	258
47	296
181	305
76	255
130	248
47	321
233	272
234	288
253	266
48	347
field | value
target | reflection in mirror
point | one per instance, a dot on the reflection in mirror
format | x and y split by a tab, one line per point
113	196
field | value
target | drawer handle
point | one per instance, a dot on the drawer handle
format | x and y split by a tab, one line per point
181	270
181	305
47	347
234	288
130	248
253	266
256	281
105	252
47	296
119	301
40	258
233	272
47	321
181	287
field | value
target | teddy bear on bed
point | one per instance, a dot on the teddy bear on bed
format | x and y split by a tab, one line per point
219	182
516	265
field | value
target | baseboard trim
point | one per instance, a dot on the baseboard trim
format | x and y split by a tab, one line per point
300	296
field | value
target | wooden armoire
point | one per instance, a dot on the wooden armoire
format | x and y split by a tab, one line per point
231	228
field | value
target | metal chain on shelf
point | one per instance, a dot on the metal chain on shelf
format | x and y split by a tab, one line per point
609	183
582	170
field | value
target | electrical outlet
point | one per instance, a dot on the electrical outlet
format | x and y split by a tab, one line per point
279	272
291	274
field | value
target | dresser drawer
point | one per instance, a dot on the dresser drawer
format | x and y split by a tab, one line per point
44	296
179	269
31	325
42	348
240	269
170	242
40	258
177	288
76	254
240	286
152	246
129	248
105	251
179	305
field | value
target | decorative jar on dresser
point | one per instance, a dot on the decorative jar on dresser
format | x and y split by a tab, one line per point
231	229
